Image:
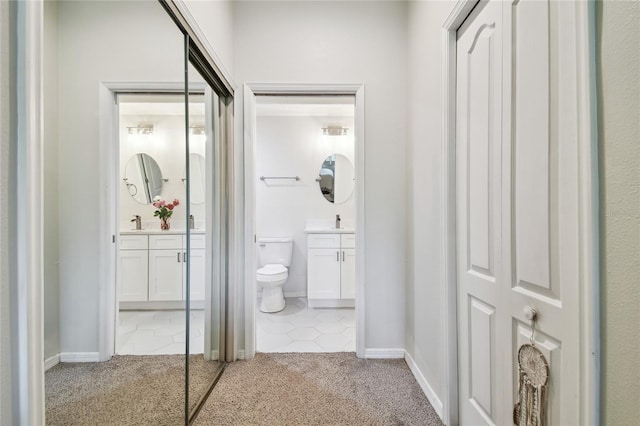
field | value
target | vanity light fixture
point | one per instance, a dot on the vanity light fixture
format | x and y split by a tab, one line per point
196	130
140	129
334	131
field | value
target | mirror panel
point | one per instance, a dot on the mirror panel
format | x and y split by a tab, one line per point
143	178
337	178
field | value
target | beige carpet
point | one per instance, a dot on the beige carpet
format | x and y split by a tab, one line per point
127	390
317	389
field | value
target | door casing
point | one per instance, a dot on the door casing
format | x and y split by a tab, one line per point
250	286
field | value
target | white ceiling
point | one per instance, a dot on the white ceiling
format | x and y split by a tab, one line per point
305	106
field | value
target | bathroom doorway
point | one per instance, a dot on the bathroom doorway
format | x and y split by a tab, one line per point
152	254
302	160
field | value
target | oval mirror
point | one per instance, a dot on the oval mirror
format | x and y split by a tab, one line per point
196	165
143	178
336	178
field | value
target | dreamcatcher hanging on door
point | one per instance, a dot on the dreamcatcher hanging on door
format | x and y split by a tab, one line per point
533	371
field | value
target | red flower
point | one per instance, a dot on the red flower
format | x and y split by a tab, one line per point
170	206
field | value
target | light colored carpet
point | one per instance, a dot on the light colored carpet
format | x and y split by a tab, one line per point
317	389
127	390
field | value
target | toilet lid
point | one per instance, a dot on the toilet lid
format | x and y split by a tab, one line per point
272	269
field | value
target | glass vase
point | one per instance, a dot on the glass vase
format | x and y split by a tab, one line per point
165	223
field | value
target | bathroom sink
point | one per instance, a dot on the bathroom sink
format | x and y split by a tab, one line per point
329	230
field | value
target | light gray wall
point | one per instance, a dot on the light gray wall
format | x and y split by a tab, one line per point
51	297
619	145
215	19
98	41
6	124
347	42
425	338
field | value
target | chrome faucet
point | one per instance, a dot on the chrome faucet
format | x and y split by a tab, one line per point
337	221
138	220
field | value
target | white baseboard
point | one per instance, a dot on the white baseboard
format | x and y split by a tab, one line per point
79	357
241	354
51	361
215	355
383	353
426	388
295	294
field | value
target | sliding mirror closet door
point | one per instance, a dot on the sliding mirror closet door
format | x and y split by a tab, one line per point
206	248
116	213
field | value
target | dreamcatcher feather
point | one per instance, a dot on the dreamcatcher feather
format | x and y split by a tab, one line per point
533	373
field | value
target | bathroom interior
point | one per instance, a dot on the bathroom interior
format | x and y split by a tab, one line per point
152	271
305	223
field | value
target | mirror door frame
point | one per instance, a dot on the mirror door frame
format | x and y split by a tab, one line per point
249	143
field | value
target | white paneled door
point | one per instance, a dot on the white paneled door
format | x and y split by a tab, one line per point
518	210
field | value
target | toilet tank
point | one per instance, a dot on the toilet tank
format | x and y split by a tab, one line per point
275	251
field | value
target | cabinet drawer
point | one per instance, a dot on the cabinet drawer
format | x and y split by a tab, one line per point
323	241
165	242
197	241
348	240
134	242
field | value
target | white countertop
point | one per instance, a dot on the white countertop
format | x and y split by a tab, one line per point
329	231
159	231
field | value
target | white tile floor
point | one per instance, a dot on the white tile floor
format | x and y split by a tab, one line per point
299	328
159	332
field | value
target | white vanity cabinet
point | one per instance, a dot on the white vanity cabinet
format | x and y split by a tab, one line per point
134	268
165	267
331	270
153	268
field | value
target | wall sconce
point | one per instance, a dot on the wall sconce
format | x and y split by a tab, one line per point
196	130
334	131
140	129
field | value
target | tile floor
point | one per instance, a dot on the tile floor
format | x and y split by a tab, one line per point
299	328
159	332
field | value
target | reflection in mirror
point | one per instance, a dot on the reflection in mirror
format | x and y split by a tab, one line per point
197	176
143	178
336	178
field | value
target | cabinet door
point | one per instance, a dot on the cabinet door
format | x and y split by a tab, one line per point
197	268
323	274
348	274
134	270
165	274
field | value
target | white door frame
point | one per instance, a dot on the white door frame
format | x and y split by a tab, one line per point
250	286
589	227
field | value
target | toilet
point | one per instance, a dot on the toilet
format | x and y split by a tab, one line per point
274	258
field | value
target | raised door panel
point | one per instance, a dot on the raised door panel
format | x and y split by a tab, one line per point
323	274
165	275
197	274
134	270
348	274
478	150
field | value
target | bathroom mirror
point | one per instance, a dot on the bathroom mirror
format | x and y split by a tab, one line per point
143	178
196	165
336	178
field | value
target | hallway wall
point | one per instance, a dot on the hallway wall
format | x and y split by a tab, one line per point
346	42
424	337
618	52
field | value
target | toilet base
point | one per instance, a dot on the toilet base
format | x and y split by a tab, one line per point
272	300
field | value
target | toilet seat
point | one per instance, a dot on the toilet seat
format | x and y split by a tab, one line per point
271	273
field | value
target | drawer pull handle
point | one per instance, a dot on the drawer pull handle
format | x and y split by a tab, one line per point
337	256
178	256
343	256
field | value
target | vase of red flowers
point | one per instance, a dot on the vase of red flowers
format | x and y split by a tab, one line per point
164	211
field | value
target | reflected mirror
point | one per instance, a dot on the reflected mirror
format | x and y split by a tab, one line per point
196	165
336	178
143	178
